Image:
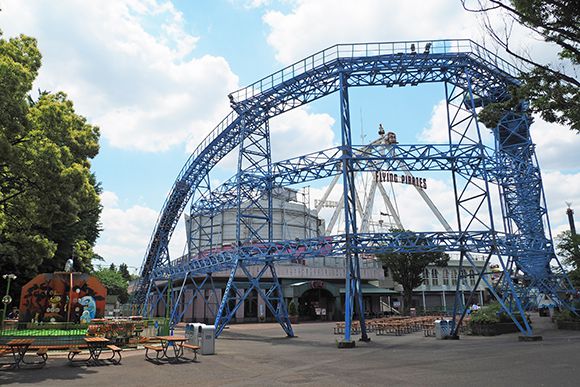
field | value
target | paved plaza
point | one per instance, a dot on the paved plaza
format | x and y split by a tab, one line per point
260	355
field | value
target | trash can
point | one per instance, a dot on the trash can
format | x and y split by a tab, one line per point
207	339
442	328
189	332
193	333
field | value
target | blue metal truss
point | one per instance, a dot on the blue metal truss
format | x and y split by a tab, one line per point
254	184
473	77
327	163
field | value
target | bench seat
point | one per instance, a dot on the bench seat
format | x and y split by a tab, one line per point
194	348
157	348
116	353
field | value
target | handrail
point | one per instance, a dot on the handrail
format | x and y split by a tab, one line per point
356	50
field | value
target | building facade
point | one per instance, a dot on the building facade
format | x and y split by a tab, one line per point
316	286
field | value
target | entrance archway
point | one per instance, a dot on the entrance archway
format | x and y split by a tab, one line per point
316	304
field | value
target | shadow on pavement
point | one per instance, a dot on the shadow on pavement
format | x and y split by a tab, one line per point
53	372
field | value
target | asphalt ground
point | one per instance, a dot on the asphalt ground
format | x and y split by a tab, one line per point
261	355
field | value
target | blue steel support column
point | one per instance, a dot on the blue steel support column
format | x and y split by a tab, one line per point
353	292
224	313
201	223
254	187
450	124
524	209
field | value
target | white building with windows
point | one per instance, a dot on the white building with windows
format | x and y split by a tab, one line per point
438	291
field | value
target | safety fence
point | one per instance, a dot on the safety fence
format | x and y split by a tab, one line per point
398	326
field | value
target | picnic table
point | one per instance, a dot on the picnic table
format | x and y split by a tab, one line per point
164	354
96	345
18	349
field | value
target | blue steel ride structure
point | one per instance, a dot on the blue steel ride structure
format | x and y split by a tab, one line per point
519	238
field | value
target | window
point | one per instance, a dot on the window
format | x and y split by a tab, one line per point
453	277
445	277
472	278
434	277
426	277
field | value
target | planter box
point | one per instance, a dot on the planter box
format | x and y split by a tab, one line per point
493	329
568	325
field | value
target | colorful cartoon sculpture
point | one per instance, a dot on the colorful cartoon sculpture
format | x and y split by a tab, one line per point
90	309
62	297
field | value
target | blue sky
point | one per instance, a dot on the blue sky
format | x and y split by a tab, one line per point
154	76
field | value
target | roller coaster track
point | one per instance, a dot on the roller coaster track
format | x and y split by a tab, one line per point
472	76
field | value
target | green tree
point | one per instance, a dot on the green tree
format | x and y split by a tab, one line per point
49	203
552	89
124	271
115	283
408	268
568	248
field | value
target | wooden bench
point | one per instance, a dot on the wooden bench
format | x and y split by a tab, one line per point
116	352
72	352
194	348
43	353
158	349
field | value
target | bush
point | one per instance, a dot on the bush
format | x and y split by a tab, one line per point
292	311
493	313
488	314
566	315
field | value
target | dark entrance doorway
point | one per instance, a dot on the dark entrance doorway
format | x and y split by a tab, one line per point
316	304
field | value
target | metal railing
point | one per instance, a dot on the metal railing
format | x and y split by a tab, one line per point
359	50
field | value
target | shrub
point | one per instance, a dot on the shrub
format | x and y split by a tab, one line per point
493	313
292	311
488	314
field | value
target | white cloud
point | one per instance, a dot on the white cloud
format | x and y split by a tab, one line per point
299	132
311	26
127	231
314	25
294	133
561	188
142	84
109	199
557	146
436	132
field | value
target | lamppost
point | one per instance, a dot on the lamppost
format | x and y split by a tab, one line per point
7	299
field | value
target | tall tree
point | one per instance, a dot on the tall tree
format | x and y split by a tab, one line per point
114	282
568	247
552	88
124	271
408	268
49	203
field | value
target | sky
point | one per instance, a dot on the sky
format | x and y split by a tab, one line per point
154	75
